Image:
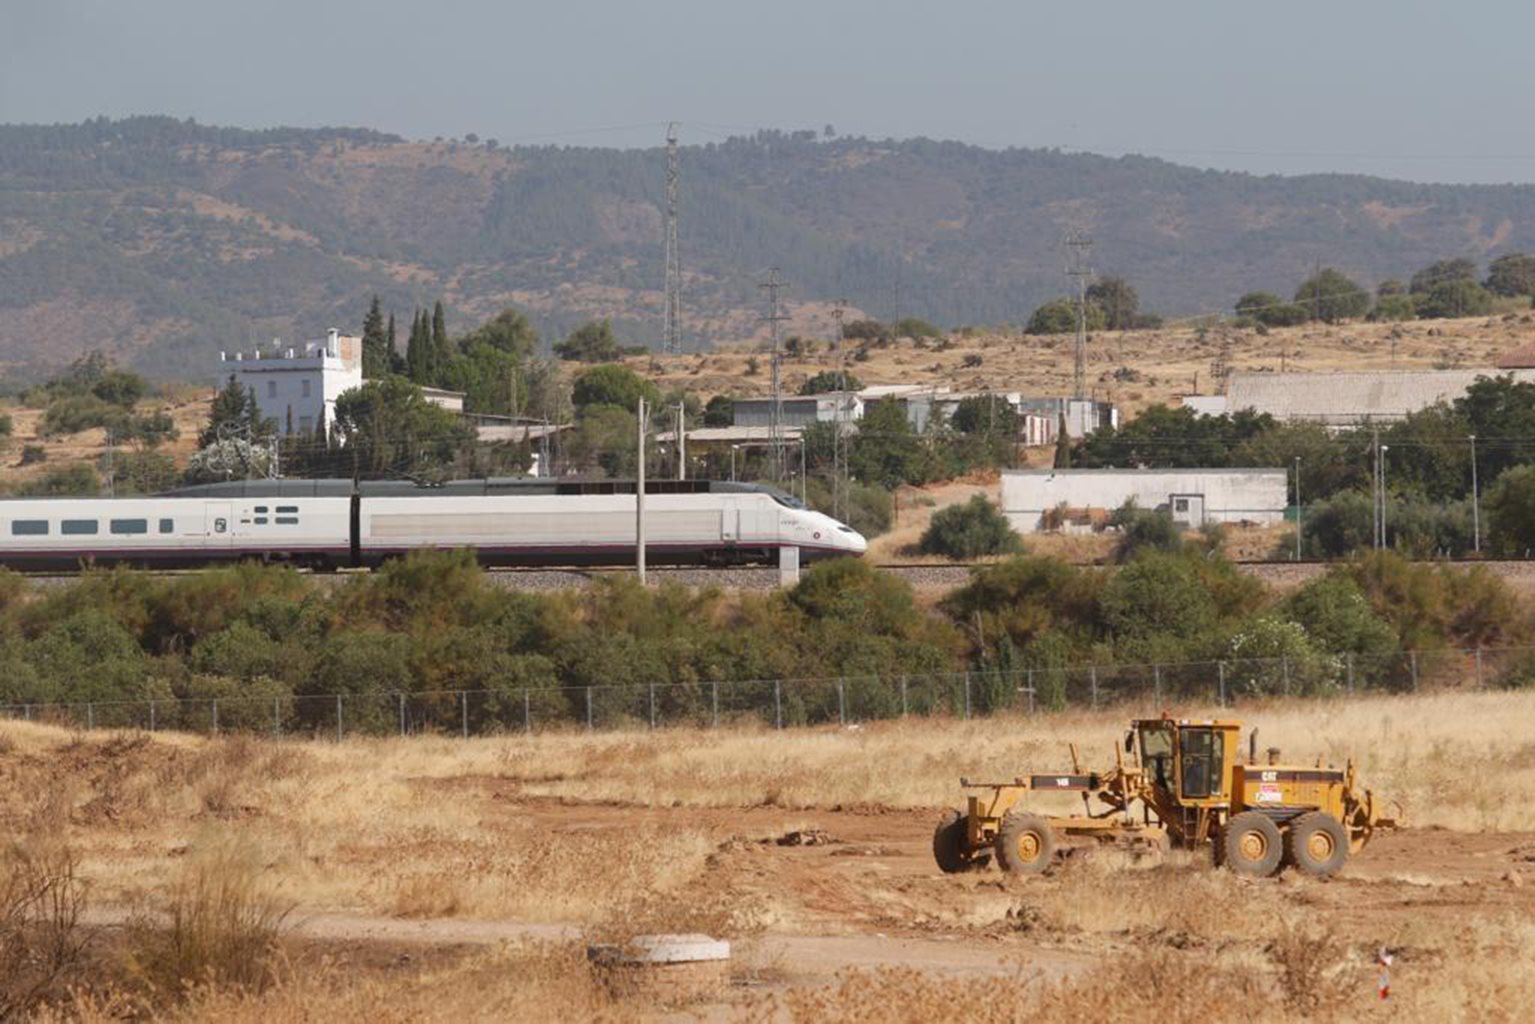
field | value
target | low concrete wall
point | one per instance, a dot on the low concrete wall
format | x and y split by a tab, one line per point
1230	495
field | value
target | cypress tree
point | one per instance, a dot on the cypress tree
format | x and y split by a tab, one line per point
1063	446
375	351
418	354
396	364
442	349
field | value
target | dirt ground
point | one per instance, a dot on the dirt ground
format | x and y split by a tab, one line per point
431	878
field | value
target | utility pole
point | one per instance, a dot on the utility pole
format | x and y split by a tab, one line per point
672	339
775	424
838	459
1297	508
639	500
111	473
1080	246
1375	486
1476	502
682	443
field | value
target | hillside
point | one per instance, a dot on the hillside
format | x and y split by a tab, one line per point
166	241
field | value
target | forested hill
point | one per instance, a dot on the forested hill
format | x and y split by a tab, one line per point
165	241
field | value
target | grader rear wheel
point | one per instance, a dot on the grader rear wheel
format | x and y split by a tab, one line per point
1317	844
1025	844
1251	845
949	846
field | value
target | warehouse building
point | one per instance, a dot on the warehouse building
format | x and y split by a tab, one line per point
1083	499
1348	399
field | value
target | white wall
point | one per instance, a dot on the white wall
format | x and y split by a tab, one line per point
1230	495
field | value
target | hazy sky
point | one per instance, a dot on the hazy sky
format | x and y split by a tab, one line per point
1426	91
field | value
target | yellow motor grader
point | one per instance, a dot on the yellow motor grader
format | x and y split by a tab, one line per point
1177	783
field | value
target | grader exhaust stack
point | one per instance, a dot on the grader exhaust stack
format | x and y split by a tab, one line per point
1185	786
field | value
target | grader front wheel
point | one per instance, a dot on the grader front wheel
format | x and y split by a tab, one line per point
1025	844
1251	845
1317	844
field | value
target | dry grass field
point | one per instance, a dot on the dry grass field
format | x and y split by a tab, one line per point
439	879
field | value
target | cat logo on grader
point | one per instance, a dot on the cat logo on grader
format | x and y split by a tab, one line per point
1184	785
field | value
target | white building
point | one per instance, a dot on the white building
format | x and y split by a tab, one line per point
1039	499
298	388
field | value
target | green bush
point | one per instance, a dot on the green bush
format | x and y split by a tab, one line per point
1277	657
971	530
1144	530
1454	299
1059	316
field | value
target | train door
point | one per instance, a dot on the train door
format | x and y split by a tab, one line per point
730	522
218	524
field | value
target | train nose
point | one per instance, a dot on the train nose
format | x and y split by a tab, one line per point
851	541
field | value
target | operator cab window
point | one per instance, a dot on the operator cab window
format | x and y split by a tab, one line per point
1201	763
1157	755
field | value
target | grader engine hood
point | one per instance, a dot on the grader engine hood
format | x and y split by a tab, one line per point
1278	786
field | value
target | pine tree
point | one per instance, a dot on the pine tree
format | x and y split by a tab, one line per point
375	351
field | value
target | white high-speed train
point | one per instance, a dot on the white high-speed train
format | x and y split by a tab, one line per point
329	524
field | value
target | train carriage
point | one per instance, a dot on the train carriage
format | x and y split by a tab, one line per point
335	523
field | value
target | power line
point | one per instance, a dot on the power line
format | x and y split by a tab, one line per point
775	431
1080	246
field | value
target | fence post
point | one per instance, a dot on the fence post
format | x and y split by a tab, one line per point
1412	657
903	697
841	704
276	716
714	701
967	695
1031	692
777	704
1349	661
1284	664
215	716
1478	667
1220	675
588	709
151	716
90	716
652	705
338	718
27	709
401	696
1092	673
1156	687
463	701
527	713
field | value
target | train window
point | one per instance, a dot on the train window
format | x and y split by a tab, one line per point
220	525
262	510
287	520
29	527
129	526
289	509
261	520
75	527
167	525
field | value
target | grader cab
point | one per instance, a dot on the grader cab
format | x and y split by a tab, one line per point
1175	783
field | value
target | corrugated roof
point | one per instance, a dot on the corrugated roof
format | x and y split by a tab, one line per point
1521	358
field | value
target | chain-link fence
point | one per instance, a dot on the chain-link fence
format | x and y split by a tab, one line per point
783	703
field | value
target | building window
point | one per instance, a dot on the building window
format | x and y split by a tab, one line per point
306	388
271	389
129	526
167	525
29	527
79	526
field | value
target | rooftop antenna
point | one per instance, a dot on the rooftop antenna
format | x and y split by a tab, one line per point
672	339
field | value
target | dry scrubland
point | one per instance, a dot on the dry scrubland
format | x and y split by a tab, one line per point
441	879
